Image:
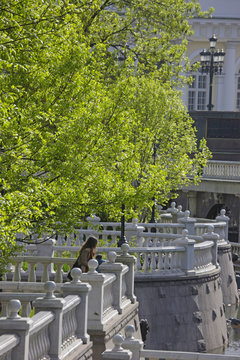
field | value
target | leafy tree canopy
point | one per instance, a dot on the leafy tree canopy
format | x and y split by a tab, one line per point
88	91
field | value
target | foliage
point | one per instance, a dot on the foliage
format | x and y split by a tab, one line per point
87	88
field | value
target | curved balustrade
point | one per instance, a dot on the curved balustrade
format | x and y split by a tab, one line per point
203	257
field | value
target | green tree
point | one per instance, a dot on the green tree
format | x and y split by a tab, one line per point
87	88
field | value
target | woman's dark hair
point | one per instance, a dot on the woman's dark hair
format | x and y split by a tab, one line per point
91	243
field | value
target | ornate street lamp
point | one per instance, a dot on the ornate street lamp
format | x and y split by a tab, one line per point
211	63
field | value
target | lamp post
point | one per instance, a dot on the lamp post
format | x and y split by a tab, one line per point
211	63
153	220
122	239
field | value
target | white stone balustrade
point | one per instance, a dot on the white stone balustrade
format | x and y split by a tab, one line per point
222	170
57	330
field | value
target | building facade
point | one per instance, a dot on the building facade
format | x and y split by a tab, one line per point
220	186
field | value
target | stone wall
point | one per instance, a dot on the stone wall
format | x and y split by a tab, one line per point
183	314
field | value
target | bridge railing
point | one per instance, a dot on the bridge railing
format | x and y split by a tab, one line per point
222	170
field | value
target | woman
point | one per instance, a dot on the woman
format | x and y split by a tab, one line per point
86	253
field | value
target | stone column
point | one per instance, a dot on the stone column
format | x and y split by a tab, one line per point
219	88
229	77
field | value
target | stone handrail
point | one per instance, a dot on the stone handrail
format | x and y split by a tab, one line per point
129	348
180	355
222	170
7	344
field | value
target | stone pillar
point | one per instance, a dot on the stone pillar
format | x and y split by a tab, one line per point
211	236
132	344
45	249
224	218
14	324
188	222
115	268
133	233
238	223
51	303
130	261
219	86
173	211
188	260
76	287
229	96
117	353
192	202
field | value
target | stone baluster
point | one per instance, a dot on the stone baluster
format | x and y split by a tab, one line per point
14	324
118	352
130	261
188	222
132	344
76	287
115	268
55	305
188	259
223	217
211	236
134	232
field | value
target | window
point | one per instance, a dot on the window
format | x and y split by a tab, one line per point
197	93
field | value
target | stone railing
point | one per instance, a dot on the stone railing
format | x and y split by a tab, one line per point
129	348
112	289
222	170
58	329
183	256
7	344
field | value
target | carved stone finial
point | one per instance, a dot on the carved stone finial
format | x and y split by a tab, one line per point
14	306
50	286
129	331
76	275
125	248
185	233
92	264
117	340
112	256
